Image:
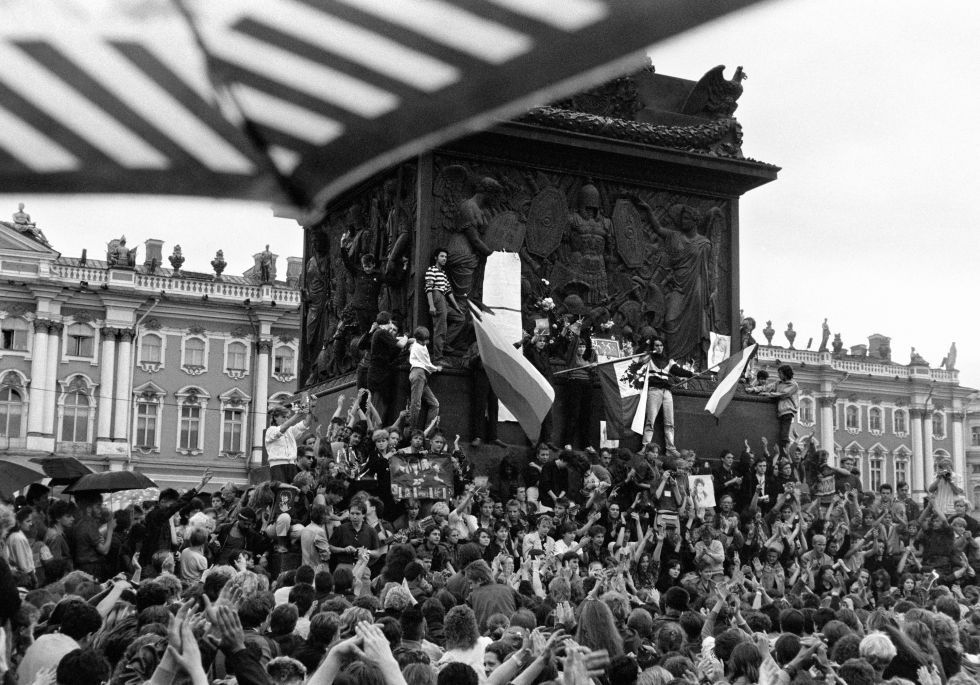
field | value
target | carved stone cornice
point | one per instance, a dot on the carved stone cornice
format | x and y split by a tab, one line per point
264	346
721	138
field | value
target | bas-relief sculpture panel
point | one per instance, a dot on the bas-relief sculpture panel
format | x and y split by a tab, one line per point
375	226
592	239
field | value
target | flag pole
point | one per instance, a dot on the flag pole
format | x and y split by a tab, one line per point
700	374
595	364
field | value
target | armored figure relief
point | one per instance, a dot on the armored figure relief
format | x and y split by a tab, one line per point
589	234
118	255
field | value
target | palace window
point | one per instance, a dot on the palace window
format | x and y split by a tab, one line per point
874	420
902	456
975	436
80	341
237	354
806	411
13	334
190	428
852	418
146	424
900	422
74	420
192	407
938	425
194	352
876	466
284	361
151	347
232	431
234	415
11	412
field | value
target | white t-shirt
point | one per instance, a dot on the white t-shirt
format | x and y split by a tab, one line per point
193	564
281	445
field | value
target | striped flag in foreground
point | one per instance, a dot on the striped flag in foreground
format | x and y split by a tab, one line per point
521	387
729	373
252	98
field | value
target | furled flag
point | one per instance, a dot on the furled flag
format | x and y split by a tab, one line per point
289	100
730	372
519	386
622	388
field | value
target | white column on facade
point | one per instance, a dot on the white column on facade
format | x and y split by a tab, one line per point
928	464
39	360
918	456
124	355
51	377
260	401
827	407
959	449
107	362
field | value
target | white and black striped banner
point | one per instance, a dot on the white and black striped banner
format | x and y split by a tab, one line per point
117	95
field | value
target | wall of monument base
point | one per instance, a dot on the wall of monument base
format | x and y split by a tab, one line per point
747	417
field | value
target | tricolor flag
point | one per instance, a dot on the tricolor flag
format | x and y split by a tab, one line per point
289	100
730	372
520	387
622	389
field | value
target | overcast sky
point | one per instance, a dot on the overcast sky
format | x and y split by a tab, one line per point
870	109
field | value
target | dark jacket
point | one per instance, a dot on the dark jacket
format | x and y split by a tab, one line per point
156	523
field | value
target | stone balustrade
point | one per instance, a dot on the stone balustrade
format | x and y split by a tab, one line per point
222	290
873	367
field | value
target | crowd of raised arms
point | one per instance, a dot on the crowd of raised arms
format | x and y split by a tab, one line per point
574	566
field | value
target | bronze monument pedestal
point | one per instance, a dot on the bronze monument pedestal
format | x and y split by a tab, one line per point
560	187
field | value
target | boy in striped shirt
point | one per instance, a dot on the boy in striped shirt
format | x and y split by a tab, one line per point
442	303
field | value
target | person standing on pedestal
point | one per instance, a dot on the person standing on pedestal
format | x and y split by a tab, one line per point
659	368
483	403
281	442
382	367
788	392
442	303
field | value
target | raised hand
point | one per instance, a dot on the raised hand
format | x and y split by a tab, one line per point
230	634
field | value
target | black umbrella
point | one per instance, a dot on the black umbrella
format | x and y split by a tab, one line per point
16	474
110	481
62	470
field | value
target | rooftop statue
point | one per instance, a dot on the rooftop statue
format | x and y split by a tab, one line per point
23	223
120	256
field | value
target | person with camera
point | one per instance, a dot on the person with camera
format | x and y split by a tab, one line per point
943	490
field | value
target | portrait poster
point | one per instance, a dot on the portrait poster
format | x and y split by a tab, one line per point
720	350
607	349
702	491
422	477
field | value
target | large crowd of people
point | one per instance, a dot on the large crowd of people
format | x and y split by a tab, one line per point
573	566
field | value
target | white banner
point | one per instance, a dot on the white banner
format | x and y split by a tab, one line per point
502	294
